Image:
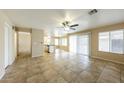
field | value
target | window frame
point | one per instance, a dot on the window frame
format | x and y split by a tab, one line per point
99	42
110	42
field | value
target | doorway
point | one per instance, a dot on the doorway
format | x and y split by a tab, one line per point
24	44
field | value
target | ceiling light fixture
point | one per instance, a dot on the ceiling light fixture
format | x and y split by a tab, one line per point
67	28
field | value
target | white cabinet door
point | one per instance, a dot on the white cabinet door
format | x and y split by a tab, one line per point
37	43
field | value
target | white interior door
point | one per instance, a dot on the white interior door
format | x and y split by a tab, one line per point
6	49
83	44
37	43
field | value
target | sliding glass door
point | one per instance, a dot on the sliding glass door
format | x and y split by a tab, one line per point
83	44
79	44
73	44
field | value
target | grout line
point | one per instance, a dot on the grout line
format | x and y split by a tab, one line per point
101	73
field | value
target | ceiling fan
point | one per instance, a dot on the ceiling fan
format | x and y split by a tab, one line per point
66	25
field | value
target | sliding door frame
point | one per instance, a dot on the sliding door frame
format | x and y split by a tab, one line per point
89	41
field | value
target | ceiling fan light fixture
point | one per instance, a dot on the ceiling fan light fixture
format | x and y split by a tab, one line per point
66	25
67	28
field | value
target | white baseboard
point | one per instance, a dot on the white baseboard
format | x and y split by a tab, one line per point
107	60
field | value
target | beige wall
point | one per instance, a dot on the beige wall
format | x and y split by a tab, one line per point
15	43
66	48
23	29
37	42
3	20
26	30
94	43
37	36
105	55
24	41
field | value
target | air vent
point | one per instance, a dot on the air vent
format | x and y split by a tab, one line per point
94	11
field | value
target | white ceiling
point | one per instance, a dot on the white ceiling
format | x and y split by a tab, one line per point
49	19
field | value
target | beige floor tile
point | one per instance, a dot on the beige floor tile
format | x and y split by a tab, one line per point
50	74
113	66
38	78
109	76
63	67
86	77
122	76
57	79
68	75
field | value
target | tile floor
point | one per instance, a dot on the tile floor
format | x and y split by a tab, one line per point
63	67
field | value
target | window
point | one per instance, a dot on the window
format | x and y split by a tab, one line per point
56	42
116	41
112	41
104	41
64	41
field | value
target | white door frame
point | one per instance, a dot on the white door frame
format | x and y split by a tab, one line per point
6	45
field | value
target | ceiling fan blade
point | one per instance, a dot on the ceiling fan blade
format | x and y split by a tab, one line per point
74	25
72	28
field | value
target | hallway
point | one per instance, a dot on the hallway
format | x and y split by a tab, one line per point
63	67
